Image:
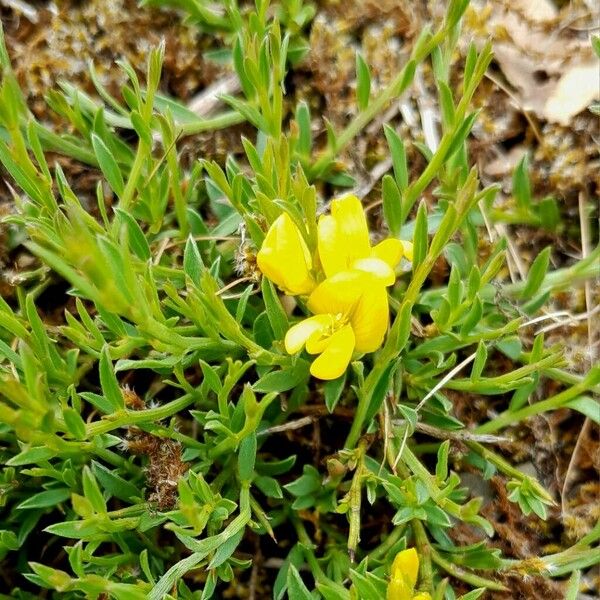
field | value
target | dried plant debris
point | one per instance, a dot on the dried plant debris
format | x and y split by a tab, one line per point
543	61
69	36
164	468
549	73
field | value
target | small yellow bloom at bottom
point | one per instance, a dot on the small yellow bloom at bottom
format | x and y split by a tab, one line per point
405	570
398	590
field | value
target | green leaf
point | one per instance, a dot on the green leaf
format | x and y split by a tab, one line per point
381	390
225	550
587	406
455	288
461	133
74	529
392	205
470	62
368	585
479	362
303	120
277	467
473	317
537	273
332	391
25	182
75	424
192	261
308	483
275	312
268	486
36	454
521	187
473	594
108	165
441	468
284	379
136	237
446	104
420	240
474	283
211	377
455	12
247	457
411	416
110	386
329	592
363	82
574	582
295	586
91	490
549	213
511	346
398	153
114	484
46	499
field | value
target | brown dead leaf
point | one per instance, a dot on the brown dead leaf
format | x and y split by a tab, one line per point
540	11
575	91
553	71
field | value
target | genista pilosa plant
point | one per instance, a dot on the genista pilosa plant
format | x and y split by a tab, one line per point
153	438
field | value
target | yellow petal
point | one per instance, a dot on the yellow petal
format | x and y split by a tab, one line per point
343	236
296	336
351	221
370	317
319	340
390	251
422	596
397	590
379	269
332	248
334	360
338	295
285	259
407	249
406	567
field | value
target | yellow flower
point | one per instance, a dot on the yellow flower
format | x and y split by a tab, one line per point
350	305
343	242
285	258
405	570
351	314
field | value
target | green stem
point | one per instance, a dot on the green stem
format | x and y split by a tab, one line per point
126	418
508	469
308	545
579	556
424	549
355	502
227	119
132	179
509	380
570	378
390	541
586	268
467	577
164	432
555	402
112	458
